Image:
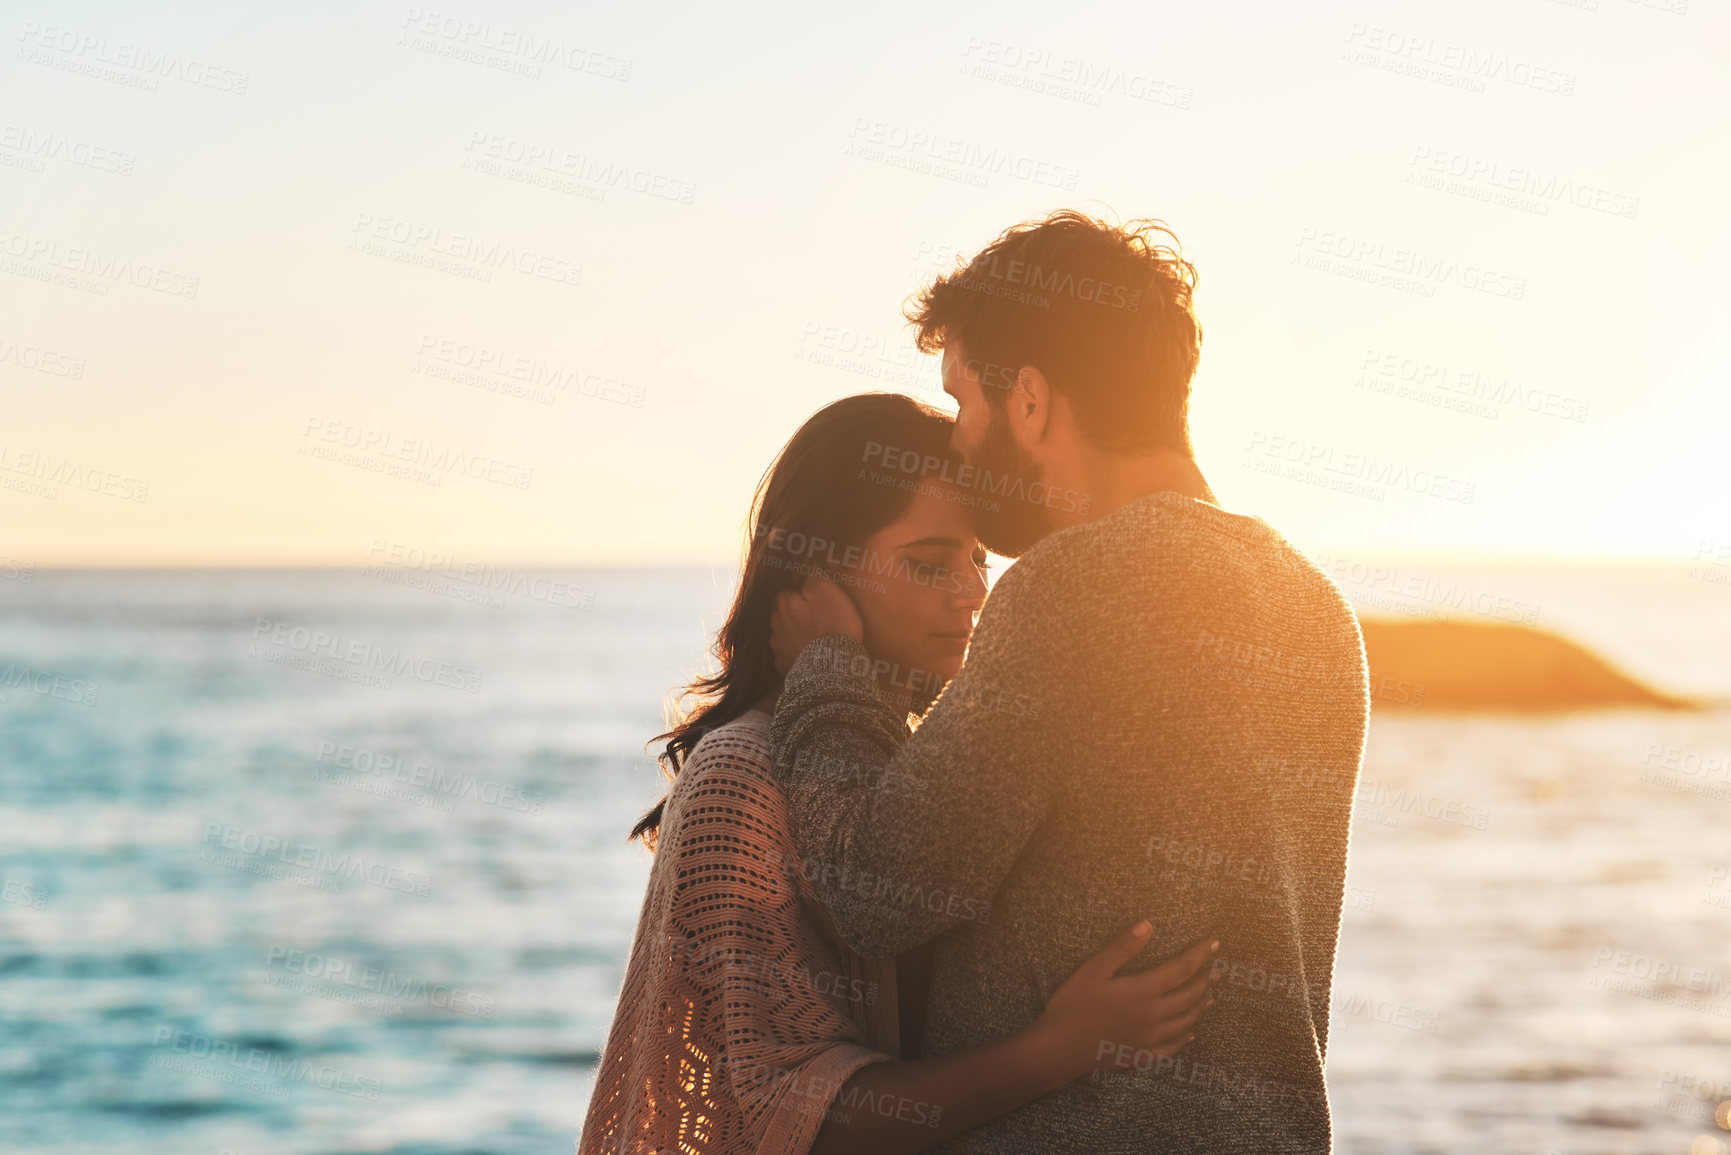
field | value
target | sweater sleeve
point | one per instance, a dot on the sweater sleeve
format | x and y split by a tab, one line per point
750	953
904	840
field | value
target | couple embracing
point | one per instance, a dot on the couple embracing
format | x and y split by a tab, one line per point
1046	872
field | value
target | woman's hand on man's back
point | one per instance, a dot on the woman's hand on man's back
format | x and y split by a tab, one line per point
1090	1020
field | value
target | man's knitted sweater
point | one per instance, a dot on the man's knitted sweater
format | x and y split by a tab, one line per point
1162	714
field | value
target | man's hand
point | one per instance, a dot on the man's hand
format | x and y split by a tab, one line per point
818	609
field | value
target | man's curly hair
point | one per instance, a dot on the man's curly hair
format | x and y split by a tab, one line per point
1103	310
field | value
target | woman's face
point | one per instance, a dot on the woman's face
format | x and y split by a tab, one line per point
918	589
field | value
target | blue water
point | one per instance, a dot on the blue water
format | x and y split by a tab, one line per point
130	930
211	940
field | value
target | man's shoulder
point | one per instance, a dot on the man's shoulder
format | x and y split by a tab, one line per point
1163	552
1156	521
1163	532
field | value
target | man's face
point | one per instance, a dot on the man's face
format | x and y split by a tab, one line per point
1008	526
973	415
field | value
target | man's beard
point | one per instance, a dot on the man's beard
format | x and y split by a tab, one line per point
1009	525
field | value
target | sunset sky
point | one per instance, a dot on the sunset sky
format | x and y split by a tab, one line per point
697	224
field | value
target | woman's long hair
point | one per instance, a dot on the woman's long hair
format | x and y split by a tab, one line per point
829	484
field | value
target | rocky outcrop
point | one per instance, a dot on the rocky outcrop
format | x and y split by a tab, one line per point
1473	666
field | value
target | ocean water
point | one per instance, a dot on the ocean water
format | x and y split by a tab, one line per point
325	862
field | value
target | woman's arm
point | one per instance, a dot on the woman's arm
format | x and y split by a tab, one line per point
893	1108
984	758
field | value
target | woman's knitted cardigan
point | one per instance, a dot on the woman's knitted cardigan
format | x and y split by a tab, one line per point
741	1016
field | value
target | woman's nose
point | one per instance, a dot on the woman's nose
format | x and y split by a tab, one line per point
973	594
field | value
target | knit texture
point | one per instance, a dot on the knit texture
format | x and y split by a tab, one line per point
1162	715
740	1016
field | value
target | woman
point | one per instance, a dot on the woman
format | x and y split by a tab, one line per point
744	1025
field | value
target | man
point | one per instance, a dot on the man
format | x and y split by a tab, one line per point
1161	715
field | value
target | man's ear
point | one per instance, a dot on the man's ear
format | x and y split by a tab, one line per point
1029	407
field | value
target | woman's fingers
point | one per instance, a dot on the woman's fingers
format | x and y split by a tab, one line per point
1180	998
1178	973
1158	1028
1174	972
1156	1007
1117	952
782	631
1178	1026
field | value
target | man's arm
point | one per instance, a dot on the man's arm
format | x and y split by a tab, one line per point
903	841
